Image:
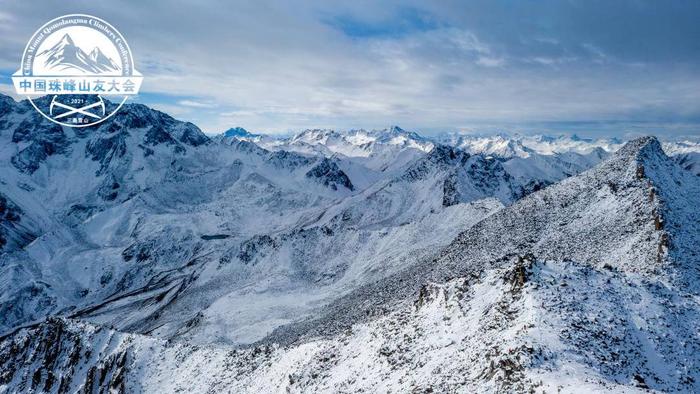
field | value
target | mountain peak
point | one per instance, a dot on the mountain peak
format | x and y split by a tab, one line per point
237	132
641	148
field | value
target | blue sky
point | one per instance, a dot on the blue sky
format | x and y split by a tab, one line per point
585	66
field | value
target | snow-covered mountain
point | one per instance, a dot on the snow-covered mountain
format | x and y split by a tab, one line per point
508	146
589	284
143	256
686	152
388	151
155	195
135	201
690	161
385	150
355	143
498	146
239	133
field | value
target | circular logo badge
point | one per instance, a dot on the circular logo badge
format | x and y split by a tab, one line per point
76	61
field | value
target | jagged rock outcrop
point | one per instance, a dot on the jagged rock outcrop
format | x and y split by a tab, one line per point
329	174
58	356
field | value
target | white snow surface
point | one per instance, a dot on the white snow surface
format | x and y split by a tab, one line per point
143	256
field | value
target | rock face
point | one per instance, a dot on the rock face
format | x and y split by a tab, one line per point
467	177
329	174
65	357
15	232
143	256
42	139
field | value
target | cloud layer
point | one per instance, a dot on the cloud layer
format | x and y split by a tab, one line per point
279	66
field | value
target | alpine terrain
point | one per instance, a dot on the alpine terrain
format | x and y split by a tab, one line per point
143	256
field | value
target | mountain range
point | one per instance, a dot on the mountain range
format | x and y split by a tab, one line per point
141	255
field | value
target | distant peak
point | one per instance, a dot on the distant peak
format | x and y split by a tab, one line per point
236	132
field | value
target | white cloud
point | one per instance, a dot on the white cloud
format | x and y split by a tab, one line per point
490	61
195	104
280	65
597	54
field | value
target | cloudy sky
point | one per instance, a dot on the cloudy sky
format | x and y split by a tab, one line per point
592	67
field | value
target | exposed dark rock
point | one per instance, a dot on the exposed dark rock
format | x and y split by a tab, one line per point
215	236
14	234
329	174
107	149
450	194
251	248
45	139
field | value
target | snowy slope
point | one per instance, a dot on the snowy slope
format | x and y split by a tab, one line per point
608	221
146	224
538	314
377	254
384	153
386	150
689	161
131	205
686	153
507	146
607	216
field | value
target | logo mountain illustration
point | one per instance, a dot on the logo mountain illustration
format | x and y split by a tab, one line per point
66	55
